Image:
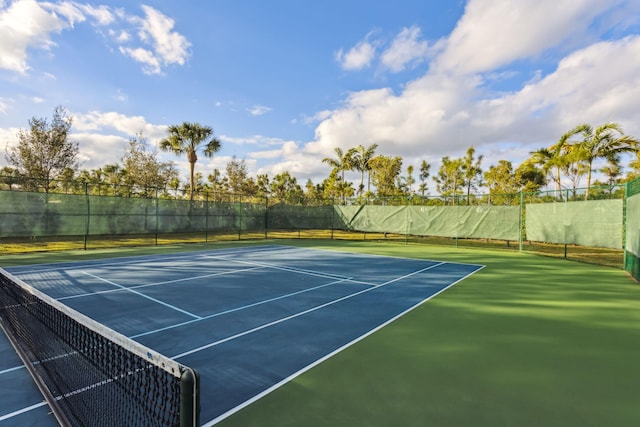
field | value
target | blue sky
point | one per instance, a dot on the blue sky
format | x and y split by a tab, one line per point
284	82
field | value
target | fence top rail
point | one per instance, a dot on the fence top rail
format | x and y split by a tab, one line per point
83	187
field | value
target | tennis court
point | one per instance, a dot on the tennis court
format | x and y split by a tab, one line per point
248	319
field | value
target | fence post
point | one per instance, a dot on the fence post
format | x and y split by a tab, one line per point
240	217
88	221
624	225
206	217
266	217
522	222
406	219
566	200
157	214
333	216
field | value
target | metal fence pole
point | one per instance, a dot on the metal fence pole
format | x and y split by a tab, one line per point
266	217
522	222
88	221
206	217
157	214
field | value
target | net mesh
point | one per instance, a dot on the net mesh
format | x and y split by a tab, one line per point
90	375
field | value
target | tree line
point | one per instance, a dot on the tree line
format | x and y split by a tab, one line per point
46	158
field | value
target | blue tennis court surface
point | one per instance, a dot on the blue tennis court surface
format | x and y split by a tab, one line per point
248	319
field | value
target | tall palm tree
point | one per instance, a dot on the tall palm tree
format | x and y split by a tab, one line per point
552	160
471	171
635	165
612	170
603	142
425	172
188	138
361	157
342	162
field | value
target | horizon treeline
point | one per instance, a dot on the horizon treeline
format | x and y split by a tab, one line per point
46	158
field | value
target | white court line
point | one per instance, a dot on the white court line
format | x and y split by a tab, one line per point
140	259
22	411
293	316
173	307
241	308
15	368
279	267
333	353
167	282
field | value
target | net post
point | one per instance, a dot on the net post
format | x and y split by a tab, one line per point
189	398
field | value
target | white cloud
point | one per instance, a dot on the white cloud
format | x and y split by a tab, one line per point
25	24
97	150
406	49
120	36
4	105
128	125
69	11
260	140
494	33
121	96
576	91
258	110
8	138
102	15
150	63
298	163
358	57
167	47
29	24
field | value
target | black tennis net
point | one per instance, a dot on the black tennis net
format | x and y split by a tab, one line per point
89	374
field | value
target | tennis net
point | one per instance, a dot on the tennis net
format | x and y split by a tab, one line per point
89	374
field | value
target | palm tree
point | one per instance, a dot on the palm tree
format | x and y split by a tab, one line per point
449	178
612	170
425	172
603	142
635	165
552	160
471	171
188	138
342	162
361	157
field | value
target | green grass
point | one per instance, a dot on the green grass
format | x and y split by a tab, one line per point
527	341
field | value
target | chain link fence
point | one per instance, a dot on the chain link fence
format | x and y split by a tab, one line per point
565	223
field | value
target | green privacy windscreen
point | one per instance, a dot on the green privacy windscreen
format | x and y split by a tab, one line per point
595	223
632	226
491	222
27	214
291	217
